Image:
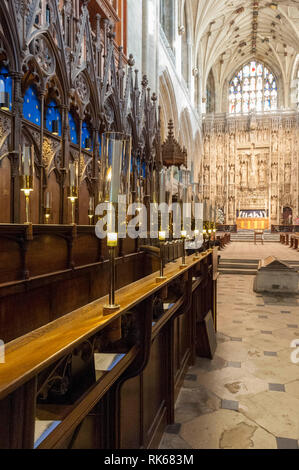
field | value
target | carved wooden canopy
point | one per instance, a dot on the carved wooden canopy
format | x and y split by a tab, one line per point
172	153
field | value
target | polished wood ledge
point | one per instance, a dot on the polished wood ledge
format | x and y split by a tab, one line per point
26	356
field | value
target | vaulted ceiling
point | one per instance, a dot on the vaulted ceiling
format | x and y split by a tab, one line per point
228	33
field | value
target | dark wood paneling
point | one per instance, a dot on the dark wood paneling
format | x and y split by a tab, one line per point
10	260
5	200
155	387
46	254
130	414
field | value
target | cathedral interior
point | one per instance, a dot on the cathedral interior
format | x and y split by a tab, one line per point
120	329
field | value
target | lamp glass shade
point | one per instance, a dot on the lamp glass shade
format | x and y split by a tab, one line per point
162	186
55	127
4	100
162	236
116	166
112	239
87	144
26	168
48	200
73	180
183	233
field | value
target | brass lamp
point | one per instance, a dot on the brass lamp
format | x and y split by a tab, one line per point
4	100
91	210
26	172
55	127
47	206
4	96
73	187
183	237
162	238
115	181
196	235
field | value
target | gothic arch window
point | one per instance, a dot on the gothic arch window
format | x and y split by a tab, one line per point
253	88
6	85
73	129
53	118
167	20
210	106
31	106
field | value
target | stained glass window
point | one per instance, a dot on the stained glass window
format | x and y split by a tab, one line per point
31	106
253	88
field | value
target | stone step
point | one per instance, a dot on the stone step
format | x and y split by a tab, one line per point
240	272
246	266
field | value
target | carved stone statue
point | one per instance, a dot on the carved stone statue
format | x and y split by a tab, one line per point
206	177
274	207
219	175
231	208
231	175
244	174
287	174
262	173
274	173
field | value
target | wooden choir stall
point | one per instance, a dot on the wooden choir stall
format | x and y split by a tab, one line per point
71	375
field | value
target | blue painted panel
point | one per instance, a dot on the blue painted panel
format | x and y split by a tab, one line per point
32	106
53	114
73	129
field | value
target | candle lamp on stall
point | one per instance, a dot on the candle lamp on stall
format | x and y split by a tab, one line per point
196	235
183	237
115	182
26	172
47	206
91	210
73	187
162	238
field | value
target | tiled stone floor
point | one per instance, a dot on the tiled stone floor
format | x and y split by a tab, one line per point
248	250
247	397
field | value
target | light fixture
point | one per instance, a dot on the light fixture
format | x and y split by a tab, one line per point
55	127
162	238
91	210
115	182
88	144
4	100
73	186
47	206
183	237
26	172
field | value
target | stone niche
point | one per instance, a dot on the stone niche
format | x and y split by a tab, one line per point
276	277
